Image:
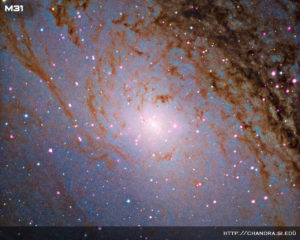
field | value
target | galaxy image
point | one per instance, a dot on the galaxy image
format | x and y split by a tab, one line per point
150	113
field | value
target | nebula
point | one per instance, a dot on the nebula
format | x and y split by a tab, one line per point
151	113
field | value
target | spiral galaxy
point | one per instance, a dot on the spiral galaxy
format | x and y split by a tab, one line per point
161	113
